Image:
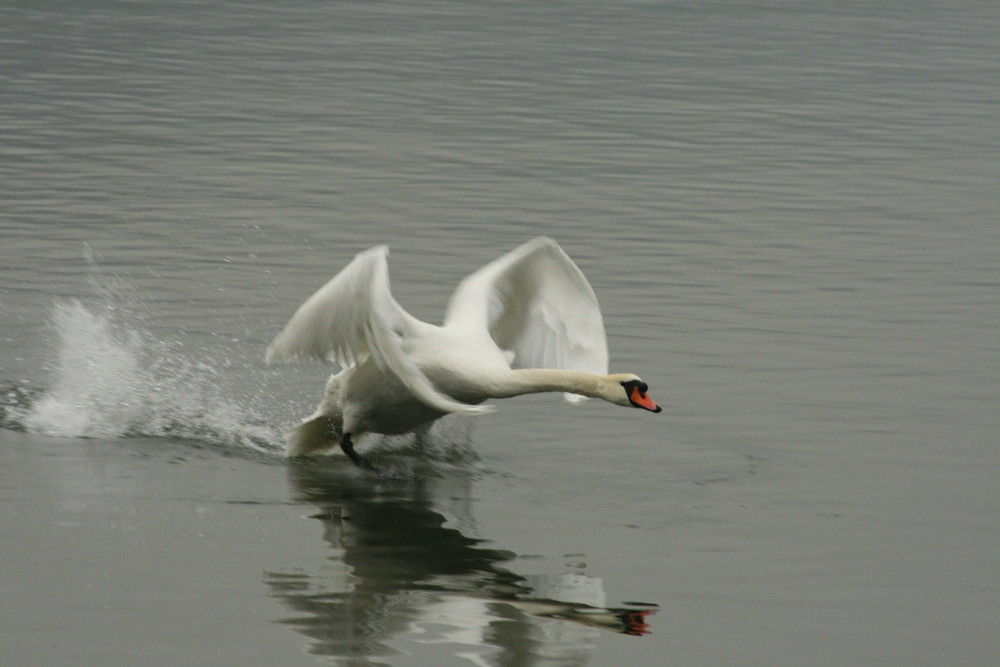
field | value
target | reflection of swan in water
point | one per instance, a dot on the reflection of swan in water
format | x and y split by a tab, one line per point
402	574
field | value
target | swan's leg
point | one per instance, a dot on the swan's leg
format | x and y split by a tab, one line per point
348	447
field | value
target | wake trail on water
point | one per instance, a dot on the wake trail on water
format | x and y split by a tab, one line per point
112	378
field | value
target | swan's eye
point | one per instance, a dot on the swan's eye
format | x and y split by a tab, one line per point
635	385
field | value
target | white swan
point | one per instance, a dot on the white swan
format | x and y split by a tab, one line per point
527	322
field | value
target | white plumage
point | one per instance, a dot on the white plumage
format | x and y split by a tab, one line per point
527	322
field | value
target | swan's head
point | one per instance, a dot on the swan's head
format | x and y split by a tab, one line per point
630	391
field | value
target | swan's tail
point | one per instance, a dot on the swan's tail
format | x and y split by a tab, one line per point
316	434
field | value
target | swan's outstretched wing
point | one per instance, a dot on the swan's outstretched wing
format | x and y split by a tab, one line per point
535	302
353	317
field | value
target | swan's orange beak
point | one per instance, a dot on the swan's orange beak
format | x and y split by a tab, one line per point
641	399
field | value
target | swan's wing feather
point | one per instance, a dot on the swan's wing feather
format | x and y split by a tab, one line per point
354	316
331	324
535	302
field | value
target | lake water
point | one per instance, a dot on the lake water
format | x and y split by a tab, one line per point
788	211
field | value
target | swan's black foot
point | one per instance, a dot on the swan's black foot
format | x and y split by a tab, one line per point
348	447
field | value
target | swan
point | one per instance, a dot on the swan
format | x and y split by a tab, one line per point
525	323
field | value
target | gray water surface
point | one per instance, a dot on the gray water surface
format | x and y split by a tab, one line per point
788	211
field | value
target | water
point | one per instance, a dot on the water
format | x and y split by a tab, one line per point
787	210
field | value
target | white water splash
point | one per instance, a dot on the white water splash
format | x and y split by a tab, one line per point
112	379
99	378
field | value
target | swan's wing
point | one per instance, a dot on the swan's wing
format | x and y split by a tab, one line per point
331	324
354	316
535	302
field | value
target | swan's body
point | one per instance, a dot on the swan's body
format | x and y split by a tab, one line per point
525	323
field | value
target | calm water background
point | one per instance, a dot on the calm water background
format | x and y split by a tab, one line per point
787	209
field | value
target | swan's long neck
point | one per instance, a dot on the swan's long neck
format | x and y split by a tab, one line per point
537	380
